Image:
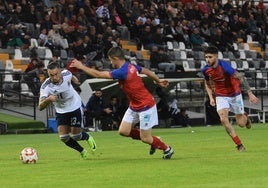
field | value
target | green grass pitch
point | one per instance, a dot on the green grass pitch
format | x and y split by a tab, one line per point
205	158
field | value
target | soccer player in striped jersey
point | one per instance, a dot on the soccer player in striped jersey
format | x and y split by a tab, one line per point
142	106
224	81
58	89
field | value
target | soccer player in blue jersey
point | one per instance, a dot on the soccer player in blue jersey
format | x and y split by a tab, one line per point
224	82
142	106
58	89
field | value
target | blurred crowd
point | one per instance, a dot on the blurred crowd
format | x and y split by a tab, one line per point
90	27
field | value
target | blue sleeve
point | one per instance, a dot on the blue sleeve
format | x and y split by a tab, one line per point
121	73
204	72
138	68
227	67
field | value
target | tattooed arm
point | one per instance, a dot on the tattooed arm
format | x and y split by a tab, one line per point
243	82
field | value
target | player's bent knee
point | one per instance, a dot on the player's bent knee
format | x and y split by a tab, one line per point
77	137
65	138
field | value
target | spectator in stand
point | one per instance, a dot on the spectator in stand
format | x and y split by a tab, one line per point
172	10
136	31
17	16
58	40
253	29
100	26
31	15
184	32
197	41
43	40
46	23
70	11
205	32
135	10
90	12
121	10
162	13
147	38
235	28
158	38
171	32
82	19
95	108
221	41
103	11
189	12
61	6
111	117
14	37
246	9
213	28
108	33
55	16
73	22
260	5
67	31
93	35
142	18
31	75
80	31
204	7
108	43
79	49
228	5
116	19
197	13
4	37
260	17
160	60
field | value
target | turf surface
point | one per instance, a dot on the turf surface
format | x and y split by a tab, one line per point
205	158
14	122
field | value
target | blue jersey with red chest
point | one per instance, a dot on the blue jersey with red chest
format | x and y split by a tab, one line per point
223	78
129	80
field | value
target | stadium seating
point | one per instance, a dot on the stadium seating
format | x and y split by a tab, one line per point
19	55
33	43
188	65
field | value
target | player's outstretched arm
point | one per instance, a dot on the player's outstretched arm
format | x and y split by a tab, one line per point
92	72
154	77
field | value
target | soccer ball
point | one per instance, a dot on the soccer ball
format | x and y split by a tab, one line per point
28	155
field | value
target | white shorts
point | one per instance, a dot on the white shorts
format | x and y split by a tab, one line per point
234	104
147	118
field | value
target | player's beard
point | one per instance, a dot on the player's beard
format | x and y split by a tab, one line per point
212	64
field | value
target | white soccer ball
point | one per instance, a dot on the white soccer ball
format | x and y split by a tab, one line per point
28	155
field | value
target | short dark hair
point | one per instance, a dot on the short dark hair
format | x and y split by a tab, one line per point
116	52
211	50
98	89
53	65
